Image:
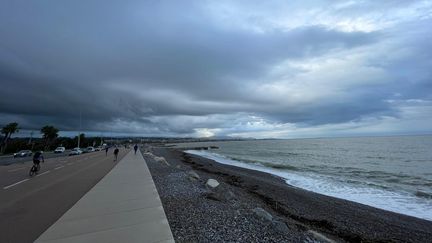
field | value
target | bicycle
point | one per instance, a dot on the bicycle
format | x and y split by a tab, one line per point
34	169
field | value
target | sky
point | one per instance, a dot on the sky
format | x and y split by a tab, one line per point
262	69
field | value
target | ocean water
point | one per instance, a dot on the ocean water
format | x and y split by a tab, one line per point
391	173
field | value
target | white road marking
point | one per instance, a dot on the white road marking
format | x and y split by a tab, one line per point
56	168
7	187
44	173
17	169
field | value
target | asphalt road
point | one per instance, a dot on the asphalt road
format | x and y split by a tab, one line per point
29	206
9	159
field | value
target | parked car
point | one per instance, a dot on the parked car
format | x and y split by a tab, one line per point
98	148
23	153
90	149
60	150
75	151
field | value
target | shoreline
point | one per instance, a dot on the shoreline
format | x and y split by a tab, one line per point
288	177
306	214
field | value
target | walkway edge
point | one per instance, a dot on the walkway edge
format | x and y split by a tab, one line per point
123	206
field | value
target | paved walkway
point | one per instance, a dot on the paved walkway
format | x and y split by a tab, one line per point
123	207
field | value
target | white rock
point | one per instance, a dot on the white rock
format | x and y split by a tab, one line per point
161	160
320	237
193	175
212	183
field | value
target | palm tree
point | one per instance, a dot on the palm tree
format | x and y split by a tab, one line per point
8	130
49	134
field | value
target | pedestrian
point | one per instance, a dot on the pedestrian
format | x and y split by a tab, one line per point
136	148
106	151
116	151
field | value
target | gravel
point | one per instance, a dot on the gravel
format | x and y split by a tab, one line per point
309	217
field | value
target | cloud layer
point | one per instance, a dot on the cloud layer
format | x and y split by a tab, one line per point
205	68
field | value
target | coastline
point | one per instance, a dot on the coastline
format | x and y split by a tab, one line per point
195	216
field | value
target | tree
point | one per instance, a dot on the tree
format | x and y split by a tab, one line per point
49	134
8	130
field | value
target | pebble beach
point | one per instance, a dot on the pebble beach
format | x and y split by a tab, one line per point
206	201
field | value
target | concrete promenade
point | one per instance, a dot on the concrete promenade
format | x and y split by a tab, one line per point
123	207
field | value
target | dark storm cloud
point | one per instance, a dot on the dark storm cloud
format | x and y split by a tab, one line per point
140	66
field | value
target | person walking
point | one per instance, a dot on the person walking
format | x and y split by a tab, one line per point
136	148
116	151
106	151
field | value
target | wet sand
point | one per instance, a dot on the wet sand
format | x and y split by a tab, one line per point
197	213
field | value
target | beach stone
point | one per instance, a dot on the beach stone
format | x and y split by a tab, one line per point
221	194
280	226
161	160
229	195
193	176
156	158
148	150
320	237
212	183
262	214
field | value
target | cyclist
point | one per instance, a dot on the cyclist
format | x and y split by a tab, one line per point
37	158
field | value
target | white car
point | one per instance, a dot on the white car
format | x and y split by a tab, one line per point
90	149
75	151
60	150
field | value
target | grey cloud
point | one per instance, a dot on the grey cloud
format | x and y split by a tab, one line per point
58	59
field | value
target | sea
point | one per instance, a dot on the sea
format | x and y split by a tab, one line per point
391	173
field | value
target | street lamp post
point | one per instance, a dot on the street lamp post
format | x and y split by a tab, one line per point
79	132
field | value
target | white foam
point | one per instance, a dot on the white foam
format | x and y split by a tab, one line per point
379	198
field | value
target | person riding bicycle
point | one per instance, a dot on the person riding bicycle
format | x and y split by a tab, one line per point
37	158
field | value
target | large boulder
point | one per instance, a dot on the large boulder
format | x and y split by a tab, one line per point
218	191
212	183
262	214
193	176
221	194
148	154
265	216
161	160
279	225
156	158
320	237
